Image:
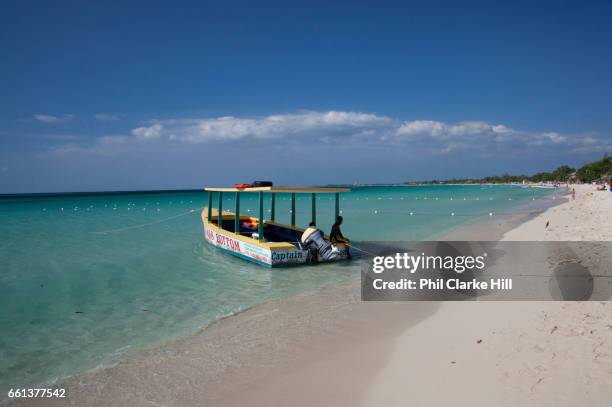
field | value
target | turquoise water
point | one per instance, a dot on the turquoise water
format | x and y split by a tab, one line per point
72	299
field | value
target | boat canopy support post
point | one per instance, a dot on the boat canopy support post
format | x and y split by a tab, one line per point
337	211
314	208
210	202
293	209
220	214
273	208
260	229
237	215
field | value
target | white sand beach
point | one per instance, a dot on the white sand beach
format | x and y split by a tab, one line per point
329	348
587	218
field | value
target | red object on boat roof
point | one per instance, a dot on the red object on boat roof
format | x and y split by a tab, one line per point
241	186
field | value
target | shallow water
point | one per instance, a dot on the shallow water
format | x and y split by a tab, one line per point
72	299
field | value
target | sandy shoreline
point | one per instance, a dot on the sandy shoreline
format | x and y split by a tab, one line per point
586	218
328	348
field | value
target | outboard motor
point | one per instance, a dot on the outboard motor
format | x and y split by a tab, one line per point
316	243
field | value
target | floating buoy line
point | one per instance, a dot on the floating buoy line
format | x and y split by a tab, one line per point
375	211
142	225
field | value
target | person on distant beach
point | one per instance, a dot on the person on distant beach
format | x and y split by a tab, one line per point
335	236
573	194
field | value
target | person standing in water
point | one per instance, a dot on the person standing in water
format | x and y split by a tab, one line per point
335	236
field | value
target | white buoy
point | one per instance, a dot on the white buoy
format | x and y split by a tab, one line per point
452	213
411	213
490	213
375	212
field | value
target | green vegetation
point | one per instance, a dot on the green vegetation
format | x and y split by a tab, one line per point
587	173
595	170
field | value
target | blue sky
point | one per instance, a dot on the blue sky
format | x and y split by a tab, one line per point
147	95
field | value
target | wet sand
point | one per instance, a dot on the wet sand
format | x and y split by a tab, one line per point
321	347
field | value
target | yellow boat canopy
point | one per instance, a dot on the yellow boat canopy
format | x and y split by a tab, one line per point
272	191
285	190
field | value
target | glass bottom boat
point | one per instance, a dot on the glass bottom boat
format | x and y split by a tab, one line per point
267	242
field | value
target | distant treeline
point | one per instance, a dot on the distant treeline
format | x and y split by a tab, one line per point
587	173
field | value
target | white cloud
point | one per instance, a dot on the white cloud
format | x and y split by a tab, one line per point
359	130
317	124
486	137
421	127
443	130
150	132
366	129
47	118
105	117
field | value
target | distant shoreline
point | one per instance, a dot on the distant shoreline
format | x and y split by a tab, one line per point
174	191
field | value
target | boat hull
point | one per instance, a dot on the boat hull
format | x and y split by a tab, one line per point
264	254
